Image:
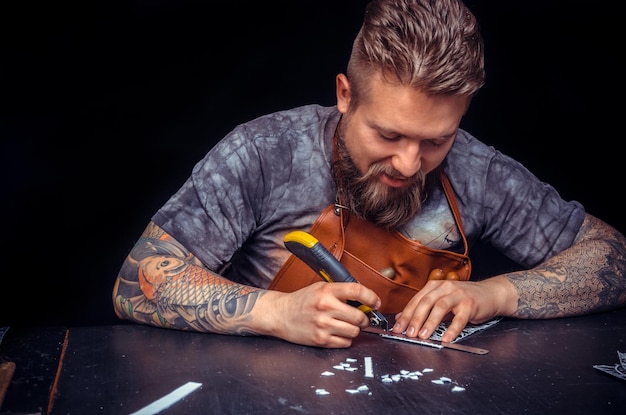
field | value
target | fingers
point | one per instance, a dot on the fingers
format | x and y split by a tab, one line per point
420	317
348	291
353	294
334	334
457	325
438	301
318	315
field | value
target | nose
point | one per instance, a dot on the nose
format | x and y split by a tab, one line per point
407	159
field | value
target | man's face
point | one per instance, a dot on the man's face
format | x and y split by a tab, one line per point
393	138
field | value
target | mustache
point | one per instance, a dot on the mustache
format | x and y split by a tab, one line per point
377	169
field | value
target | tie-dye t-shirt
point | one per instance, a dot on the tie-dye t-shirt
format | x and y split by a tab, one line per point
272	175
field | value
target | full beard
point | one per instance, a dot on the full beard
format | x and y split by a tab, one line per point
367	197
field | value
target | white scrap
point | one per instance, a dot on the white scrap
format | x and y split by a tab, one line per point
369	371
362	388
327	373
458	389
169	399
321	392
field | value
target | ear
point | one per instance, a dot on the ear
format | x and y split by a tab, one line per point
343	93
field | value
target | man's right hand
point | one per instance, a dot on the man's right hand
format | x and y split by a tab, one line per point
317	315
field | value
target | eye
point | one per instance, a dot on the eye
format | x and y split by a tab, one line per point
164	263
389	137
434	143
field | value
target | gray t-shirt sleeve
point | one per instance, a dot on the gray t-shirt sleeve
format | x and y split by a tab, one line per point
265	178
503	203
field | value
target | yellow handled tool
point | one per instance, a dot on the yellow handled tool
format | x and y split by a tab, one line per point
306	247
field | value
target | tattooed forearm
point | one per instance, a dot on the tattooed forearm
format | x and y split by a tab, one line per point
204	301
163	284
588	277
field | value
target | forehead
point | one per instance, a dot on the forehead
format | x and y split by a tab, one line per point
406	110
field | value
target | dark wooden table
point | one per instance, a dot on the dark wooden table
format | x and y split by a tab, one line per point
36	353
532	367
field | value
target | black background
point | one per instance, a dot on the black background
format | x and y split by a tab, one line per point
106	105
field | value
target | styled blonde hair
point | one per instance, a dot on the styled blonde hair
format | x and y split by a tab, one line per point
432	45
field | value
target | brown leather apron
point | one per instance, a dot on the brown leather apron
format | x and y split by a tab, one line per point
392	265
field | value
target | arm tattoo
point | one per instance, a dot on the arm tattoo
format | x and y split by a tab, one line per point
163	284
587	277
